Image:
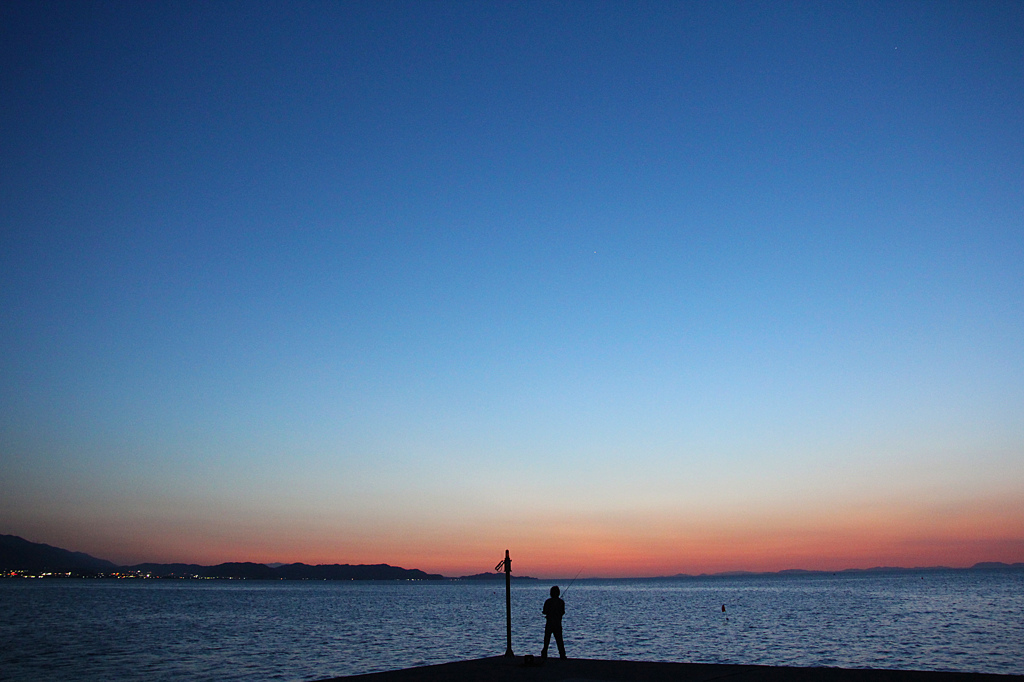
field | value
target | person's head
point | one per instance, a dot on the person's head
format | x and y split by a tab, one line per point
554	591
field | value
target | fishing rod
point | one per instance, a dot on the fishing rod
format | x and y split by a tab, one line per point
573	580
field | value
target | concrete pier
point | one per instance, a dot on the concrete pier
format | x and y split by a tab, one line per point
501	669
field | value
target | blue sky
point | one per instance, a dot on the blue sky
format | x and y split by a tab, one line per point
366	282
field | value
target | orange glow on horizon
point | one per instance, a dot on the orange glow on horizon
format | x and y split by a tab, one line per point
603	546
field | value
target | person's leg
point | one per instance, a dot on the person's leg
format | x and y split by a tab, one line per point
547	640
558	640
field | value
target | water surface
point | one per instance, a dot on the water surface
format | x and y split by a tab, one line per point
90	630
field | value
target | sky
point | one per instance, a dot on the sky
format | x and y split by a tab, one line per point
627	288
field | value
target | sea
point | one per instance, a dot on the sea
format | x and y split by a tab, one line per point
122	630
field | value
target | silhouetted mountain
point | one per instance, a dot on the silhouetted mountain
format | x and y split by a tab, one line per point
251	571
349	572
997	564
169	570
245	569
18	554
876	569
493	576
889	569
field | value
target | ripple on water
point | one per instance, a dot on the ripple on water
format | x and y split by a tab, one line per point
236	630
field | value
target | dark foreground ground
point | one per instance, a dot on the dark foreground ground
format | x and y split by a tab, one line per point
500	669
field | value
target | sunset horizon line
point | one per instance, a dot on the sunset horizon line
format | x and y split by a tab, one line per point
449	573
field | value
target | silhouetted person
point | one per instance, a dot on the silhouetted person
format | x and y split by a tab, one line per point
554	609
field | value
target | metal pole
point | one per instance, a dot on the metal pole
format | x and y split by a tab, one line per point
507	562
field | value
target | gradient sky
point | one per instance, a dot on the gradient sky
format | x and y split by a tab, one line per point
645	288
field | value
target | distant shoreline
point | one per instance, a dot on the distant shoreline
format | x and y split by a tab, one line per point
20	558
981	565
411	575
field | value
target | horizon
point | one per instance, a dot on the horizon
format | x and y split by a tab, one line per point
649	288
552	577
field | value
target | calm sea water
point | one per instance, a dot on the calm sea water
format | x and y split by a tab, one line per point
255	630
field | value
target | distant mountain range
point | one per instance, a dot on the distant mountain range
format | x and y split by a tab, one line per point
493	576
18	554
32	558
982	565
